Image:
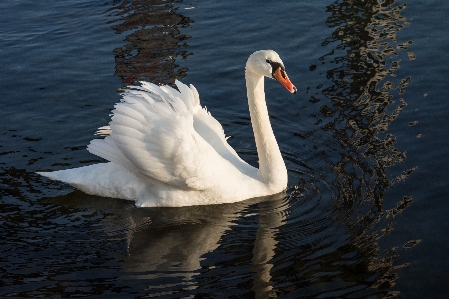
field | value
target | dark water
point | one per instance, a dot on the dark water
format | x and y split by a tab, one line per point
364	141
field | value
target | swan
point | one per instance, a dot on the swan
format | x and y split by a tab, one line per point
164	149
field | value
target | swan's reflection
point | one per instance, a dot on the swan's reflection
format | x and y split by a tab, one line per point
176	240
271	218
172	243
292	243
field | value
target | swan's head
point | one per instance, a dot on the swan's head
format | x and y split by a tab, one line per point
268	63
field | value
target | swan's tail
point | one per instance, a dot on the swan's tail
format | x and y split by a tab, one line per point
96	180
81	178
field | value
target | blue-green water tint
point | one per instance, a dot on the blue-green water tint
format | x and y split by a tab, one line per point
364	141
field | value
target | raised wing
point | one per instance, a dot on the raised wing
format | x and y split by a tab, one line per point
163	135
207	126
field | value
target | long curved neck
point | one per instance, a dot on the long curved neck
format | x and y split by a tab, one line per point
272	168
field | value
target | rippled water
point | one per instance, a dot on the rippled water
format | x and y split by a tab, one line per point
364	142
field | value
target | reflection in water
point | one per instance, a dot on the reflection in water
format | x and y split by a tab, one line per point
271	219
154	41
171	244
175	250
364	98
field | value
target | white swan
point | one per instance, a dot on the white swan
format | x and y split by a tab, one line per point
166	150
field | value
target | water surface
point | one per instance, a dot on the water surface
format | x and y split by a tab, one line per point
363	139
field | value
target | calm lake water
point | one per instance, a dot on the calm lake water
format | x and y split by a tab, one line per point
364	139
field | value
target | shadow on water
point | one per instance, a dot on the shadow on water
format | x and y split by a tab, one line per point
319	239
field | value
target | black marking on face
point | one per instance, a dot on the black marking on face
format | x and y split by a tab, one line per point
275	66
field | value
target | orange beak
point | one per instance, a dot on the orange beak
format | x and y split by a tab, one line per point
281	76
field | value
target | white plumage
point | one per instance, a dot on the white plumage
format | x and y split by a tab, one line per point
164	149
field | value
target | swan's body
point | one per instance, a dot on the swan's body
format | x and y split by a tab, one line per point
166	150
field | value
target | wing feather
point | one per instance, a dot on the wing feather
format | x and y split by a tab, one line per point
164	135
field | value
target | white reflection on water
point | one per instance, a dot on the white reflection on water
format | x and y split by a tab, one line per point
166	248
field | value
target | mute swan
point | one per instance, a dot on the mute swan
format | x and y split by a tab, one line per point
164	149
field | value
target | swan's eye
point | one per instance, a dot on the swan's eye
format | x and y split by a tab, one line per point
283	73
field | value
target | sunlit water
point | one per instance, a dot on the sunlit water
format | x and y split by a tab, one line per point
363	141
